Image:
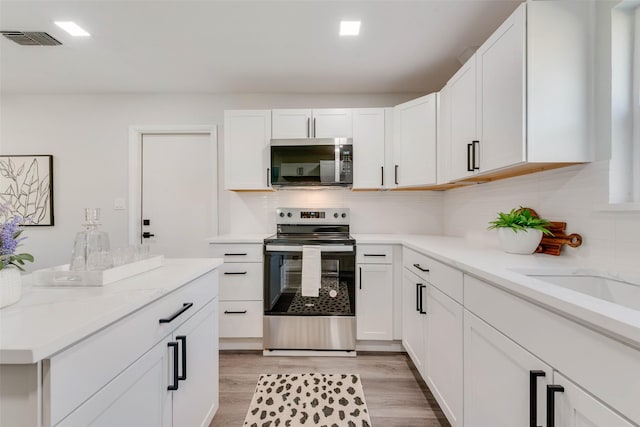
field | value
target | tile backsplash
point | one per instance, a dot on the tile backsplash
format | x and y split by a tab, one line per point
575	195
371	211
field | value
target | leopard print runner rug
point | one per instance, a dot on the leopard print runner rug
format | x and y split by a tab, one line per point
294	400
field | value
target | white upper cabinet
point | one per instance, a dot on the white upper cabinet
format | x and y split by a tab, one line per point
318	123
501	95
523	102
415	142
246	149
369	148
461	125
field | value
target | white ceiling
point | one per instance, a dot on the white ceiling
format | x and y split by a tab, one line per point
243	46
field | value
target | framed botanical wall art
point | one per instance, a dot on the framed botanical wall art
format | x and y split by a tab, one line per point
26	185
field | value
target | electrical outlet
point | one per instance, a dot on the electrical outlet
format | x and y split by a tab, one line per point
119	204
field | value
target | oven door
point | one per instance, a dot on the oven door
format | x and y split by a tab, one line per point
282	282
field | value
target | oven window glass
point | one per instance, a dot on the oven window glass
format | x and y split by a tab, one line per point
283	285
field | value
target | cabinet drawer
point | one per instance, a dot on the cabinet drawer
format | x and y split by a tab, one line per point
241	281
374	254
241	319
571	348
237	252
70	377
443	277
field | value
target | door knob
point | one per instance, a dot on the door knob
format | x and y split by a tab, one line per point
146	235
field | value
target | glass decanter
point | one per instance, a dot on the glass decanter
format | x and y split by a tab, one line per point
91	250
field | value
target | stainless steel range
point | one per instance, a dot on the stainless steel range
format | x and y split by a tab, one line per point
309	281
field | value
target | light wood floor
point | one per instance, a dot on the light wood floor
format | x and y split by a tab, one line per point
393	393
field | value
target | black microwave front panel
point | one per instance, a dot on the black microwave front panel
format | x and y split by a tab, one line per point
312	165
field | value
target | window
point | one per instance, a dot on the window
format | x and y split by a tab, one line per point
624	185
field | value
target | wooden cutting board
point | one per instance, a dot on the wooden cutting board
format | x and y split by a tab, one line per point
552	245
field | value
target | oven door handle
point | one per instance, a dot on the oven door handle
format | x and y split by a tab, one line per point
298	248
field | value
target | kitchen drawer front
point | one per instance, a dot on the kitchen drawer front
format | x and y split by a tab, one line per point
241	319
241	281
237	252
374	254
70	376
445	278
569	347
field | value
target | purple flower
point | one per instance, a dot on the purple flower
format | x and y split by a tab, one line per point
9	241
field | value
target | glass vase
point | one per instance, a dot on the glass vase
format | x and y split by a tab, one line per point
91	251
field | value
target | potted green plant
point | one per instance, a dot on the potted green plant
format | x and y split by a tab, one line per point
520	230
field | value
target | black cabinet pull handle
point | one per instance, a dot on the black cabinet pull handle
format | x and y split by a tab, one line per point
396	174
186	306
183	339
382	176
174	386
236	254
469	150
147	234
375	254
474	155
235	312
420	298
308	127
424	270
533	396
314	127
233	273
360	277
268	176
551	404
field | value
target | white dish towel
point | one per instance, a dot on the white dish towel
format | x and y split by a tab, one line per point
311	270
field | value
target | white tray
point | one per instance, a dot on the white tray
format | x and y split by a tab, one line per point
61	276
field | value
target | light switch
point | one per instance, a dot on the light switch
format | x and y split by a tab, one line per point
119	204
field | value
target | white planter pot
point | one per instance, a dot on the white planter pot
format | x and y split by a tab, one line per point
519	242
10	286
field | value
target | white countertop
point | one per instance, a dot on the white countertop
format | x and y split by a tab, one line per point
239	238
48	319
493	265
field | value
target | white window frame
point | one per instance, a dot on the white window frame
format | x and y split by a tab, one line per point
624	170
636	108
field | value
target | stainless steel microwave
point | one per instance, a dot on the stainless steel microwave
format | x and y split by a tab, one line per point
312	162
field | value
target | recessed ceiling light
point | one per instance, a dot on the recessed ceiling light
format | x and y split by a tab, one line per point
72	28
349	28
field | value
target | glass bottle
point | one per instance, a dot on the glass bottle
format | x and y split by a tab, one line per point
91	250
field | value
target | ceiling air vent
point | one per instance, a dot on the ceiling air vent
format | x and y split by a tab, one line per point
31	38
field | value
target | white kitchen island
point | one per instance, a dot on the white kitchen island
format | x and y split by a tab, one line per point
142	351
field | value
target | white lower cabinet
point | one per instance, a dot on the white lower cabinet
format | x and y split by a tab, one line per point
498	378
173	384
374	302
413	336
575	407
136	397
196	398
375	296
241	289
593	379
443	352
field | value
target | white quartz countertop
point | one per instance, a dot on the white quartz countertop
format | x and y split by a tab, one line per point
49	319
495	266
239	238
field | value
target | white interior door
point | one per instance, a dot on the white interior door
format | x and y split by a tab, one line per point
178	193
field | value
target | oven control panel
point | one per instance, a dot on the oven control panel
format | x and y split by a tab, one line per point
312	216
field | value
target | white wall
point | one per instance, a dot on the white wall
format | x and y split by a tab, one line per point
88	136
371	211
574	195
